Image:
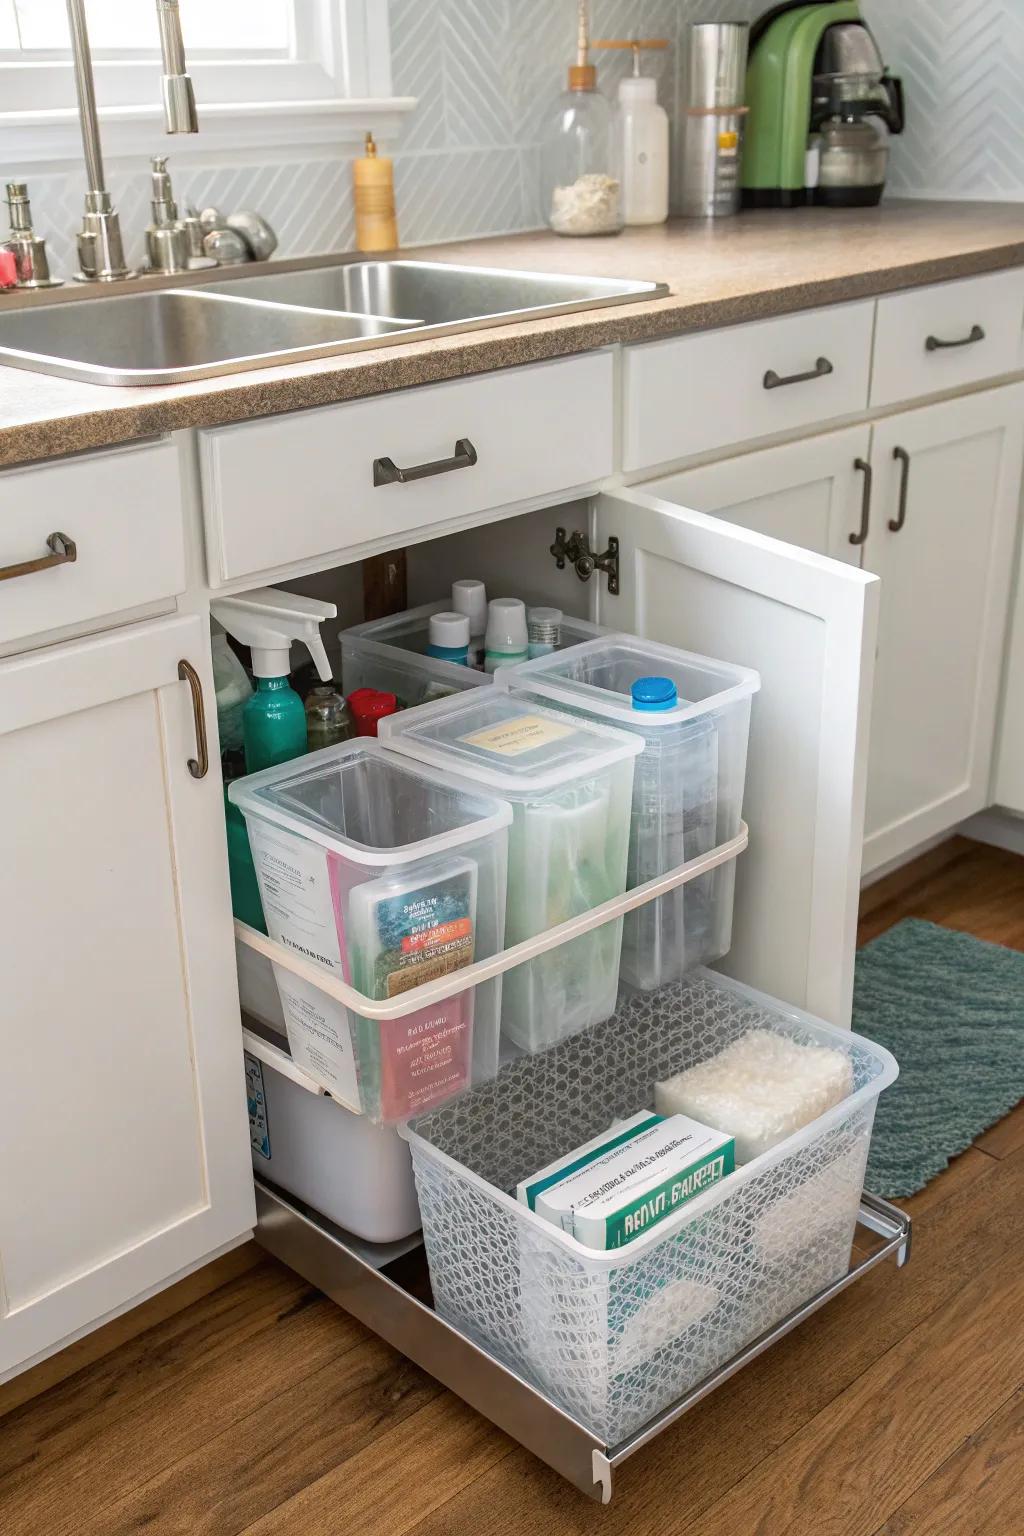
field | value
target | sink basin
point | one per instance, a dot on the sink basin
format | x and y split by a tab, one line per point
429	293
170	336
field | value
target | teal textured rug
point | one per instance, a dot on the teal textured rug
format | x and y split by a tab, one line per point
951	1009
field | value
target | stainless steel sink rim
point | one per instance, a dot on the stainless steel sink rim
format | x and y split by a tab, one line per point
381	329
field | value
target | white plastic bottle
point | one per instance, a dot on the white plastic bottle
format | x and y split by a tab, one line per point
643	144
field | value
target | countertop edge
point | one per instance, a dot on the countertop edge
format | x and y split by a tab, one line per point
262	393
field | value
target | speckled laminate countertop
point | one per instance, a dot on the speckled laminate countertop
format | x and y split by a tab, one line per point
721	273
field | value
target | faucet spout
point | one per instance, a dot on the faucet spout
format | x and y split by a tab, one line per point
100	247
176	83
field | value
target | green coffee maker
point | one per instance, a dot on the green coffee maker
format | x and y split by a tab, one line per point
821	109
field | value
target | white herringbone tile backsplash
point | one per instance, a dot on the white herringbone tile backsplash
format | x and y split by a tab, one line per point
484	73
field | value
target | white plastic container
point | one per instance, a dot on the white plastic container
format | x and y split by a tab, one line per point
357	1174
390	654
614	1336
687	788
385	876
570	784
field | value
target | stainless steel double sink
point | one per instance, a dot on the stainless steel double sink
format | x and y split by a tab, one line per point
229	324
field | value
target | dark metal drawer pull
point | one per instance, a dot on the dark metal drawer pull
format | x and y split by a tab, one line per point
63	551
936	344
387	472
198	766
902	457
865	501
773	380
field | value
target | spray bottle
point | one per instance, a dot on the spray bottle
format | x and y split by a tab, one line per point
274	718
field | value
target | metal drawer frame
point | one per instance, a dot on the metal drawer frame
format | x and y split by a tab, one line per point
356	1276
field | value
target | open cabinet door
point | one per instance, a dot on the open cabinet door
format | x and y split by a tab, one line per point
807	623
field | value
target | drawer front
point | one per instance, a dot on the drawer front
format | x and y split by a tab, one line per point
693	394
123	513
302	486
947	336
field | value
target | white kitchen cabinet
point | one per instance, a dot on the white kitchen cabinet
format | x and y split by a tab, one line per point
807	623
123	1136
809	493
945	564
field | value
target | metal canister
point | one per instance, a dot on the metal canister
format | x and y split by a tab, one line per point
718	63
715	116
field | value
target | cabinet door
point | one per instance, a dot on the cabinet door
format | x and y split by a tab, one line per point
945	593
123	1133
807	624
808	493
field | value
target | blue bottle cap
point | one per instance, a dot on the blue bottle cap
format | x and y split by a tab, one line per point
654	693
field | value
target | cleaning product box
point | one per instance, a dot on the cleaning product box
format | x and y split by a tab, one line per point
570	784
620	1186
385	876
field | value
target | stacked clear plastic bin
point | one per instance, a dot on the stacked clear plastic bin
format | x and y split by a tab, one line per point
687	786
390	653
570	785
377	873
616	1336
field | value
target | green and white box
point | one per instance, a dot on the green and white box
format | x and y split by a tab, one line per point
618	1186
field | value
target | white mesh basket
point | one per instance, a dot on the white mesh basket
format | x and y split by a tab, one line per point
614	1337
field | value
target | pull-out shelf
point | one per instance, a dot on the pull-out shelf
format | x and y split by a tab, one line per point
388	1290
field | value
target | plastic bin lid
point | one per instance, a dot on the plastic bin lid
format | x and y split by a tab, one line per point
598	676
292	795
509	744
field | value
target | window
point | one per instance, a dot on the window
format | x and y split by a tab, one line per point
243	52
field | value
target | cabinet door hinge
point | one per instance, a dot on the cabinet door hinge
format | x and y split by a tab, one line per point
575	548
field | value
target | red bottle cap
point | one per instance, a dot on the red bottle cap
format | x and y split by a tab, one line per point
368	705
8	270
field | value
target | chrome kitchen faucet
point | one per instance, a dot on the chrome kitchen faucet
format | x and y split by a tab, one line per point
100	248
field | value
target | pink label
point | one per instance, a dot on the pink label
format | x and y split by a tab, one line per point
425	1057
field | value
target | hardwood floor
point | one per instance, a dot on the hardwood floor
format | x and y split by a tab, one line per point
261	1409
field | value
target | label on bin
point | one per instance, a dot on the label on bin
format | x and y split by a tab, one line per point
319	1036
259	1130
296	890
515	737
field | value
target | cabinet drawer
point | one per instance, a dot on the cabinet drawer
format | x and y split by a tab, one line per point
123	513
302	486
691	394
947	335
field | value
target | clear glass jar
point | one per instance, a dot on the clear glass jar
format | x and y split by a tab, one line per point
581	184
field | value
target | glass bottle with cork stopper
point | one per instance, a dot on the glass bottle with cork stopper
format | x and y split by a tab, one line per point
373	182
580	178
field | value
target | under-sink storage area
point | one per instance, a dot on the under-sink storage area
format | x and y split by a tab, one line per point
766	641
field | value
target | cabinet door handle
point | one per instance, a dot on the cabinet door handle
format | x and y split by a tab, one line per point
387	472
903	459
63	551
936	344
197	766
773	380
865	501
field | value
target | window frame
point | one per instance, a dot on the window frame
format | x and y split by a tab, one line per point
338	86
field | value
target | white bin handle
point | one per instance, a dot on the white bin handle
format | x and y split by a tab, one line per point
273	1056
482	970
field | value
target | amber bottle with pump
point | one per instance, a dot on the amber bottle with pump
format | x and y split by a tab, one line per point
374	183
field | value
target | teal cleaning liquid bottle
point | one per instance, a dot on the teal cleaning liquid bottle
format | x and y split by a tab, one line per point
274	718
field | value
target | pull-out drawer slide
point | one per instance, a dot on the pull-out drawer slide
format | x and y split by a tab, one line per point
384	1293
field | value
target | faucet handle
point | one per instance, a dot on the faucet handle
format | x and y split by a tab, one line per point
28	248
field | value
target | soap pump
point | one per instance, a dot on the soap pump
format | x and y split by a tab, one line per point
268	620
643	138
